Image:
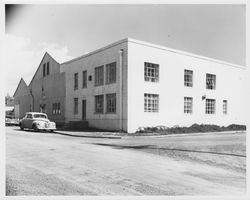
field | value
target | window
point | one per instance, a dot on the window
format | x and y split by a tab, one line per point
224	107
210	81
75	106
76	81
111	73
53	109
40	116
47	68
210	106
99	75
151	72
29	116
188	105
111	103
56	110
188	78
99	101
42	108
151	102
84	79
44	70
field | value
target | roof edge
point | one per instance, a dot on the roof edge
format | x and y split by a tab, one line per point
158	47
21	80
97	50
185	53
46	53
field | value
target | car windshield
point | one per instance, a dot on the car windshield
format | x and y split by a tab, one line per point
40	116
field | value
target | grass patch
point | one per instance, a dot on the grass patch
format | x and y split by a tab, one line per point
195	128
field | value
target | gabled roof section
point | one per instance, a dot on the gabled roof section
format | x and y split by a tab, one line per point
46	54
22	86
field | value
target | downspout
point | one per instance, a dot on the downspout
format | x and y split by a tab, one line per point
32	100
121	91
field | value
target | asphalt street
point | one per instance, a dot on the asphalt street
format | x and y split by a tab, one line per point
54	164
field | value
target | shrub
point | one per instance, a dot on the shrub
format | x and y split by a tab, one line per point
195	128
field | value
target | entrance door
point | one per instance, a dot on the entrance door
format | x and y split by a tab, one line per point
84	109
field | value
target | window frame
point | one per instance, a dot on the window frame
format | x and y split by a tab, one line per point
210	81
111	73
76	81
56	108
151	72
210	106
111	103
99	75
188	105
188	77
99	104
84	79
76	103
151	103
44	69
48	68
225	107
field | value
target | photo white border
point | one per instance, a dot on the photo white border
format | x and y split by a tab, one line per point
2	92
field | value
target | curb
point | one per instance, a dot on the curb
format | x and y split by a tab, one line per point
86	136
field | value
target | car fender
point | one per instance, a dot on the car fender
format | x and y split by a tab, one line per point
35	122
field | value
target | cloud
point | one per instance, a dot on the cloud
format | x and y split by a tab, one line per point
22	57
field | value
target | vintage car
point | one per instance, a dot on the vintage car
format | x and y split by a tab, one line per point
11	121
37	121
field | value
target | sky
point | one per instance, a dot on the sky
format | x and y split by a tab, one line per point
68	31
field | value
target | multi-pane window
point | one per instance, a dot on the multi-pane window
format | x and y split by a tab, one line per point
47	68
188	78
75	106
111	73
84	79
210	106
224	107
99	102
44	70
111	103
56	110
99	75
210	81
151	102
76	81
151	72
188	105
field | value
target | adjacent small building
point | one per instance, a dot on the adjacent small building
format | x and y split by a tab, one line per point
45	93
131	84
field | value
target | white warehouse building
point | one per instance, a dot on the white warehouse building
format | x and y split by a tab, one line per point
131	84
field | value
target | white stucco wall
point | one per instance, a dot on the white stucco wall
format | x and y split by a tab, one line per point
88	62
230	86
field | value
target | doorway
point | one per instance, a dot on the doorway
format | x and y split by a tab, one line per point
84	109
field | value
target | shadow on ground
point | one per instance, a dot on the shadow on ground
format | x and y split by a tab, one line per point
167	149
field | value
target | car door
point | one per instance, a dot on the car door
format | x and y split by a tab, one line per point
24	121
28	121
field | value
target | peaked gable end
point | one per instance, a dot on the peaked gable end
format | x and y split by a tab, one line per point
22	89
47	66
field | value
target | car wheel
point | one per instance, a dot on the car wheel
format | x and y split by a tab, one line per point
51	131
21	126
34	127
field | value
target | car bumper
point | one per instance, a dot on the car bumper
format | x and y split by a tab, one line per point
42	128
46	127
